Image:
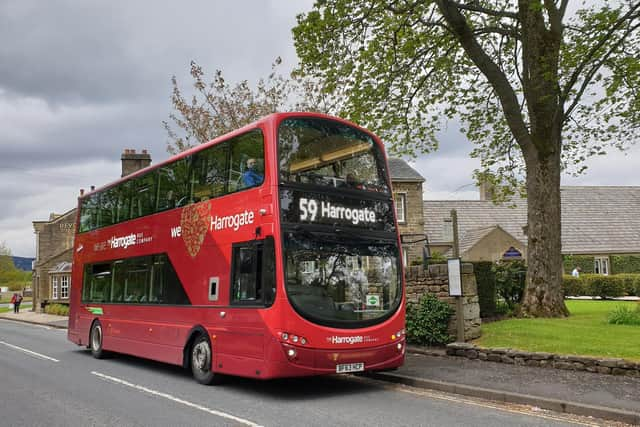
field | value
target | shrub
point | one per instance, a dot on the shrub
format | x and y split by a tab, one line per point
437	258
624	315
486	280
585	262
428	321
573	286
510	281
625	264
604	286
57	309
630	283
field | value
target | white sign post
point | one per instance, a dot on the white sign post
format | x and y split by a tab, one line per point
455	290
455	279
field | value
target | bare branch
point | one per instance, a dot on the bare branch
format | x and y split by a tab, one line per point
475	7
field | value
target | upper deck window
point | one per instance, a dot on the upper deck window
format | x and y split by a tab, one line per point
226	167
327	153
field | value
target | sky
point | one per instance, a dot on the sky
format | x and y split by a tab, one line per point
80	81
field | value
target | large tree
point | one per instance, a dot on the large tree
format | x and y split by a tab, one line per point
537	86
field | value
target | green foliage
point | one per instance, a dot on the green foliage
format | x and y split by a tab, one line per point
585	262
486	281
11	276
612	286
625	264
625	315
57	309
510	281
428	321
437	258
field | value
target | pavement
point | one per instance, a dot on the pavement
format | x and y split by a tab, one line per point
608	397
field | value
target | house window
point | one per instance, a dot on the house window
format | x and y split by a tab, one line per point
54	287
401	207
601	265
64	287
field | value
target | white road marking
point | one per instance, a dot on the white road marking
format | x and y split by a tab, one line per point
175	399
29	352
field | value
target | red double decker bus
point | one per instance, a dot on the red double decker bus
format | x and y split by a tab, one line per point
272	251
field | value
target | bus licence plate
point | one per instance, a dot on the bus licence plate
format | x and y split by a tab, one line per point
349	367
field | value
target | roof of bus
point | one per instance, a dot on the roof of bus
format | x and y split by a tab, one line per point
266	119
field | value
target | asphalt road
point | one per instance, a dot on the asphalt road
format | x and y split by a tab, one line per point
47	381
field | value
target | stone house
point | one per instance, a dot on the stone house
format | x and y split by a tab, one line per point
54	245
407	195
600	228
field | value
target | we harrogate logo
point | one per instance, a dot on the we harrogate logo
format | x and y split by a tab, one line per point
194	223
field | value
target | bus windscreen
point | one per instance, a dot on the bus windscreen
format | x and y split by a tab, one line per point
328	153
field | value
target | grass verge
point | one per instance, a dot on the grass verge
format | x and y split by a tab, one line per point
586	332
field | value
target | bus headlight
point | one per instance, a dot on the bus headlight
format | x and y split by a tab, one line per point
292	353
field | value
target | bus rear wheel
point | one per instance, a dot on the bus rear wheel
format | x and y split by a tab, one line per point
95	340
202	361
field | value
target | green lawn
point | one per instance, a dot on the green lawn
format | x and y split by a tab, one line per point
586	332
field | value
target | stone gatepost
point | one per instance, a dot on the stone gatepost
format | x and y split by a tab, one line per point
436	281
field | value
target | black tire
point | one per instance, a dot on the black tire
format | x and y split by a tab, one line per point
95	340
201	361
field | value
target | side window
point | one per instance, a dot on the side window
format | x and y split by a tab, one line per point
108	205
245	286
140	280
144	193
253	278
168	191
89	213
97	283
123	208
246	161
210	172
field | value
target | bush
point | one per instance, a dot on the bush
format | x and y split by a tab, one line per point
510	281
437	258
585	262
428	321
625	264
616	285
57	309
624	315
486	280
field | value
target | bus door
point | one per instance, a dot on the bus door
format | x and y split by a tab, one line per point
252	290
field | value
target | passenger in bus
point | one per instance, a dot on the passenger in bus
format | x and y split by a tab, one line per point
251	177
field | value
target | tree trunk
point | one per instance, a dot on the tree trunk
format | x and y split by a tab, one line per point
544	296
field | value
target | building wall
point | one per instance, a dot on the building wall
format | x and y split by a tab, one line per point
413	227
54	240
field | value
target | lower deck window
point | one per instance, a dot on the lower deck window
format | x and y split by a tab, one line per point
141	280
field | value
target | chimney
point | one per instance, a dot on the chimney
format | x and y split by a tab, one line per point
486	191
132	161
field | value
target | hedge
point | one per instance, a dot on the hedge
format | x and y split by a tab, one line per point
58	309
625	264
585	262
486	280
616	285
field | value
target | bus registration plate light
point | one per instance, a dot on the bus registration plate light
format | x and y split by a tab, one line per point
349	367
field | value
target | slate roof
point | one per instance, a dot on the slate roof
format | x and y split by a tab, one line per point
63	267
595	220
400	171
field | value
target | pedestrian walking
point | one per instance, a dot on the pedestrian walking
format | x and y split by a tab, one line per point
16	304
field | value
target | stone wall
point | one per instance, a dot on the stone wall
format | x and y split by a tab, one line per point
549	360
436	281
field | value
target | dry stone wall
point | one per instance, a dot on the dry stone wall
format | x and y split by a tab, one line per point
435	281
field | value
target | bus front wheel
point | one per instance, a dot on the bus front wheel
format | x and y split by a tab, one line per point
202	361
95	340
